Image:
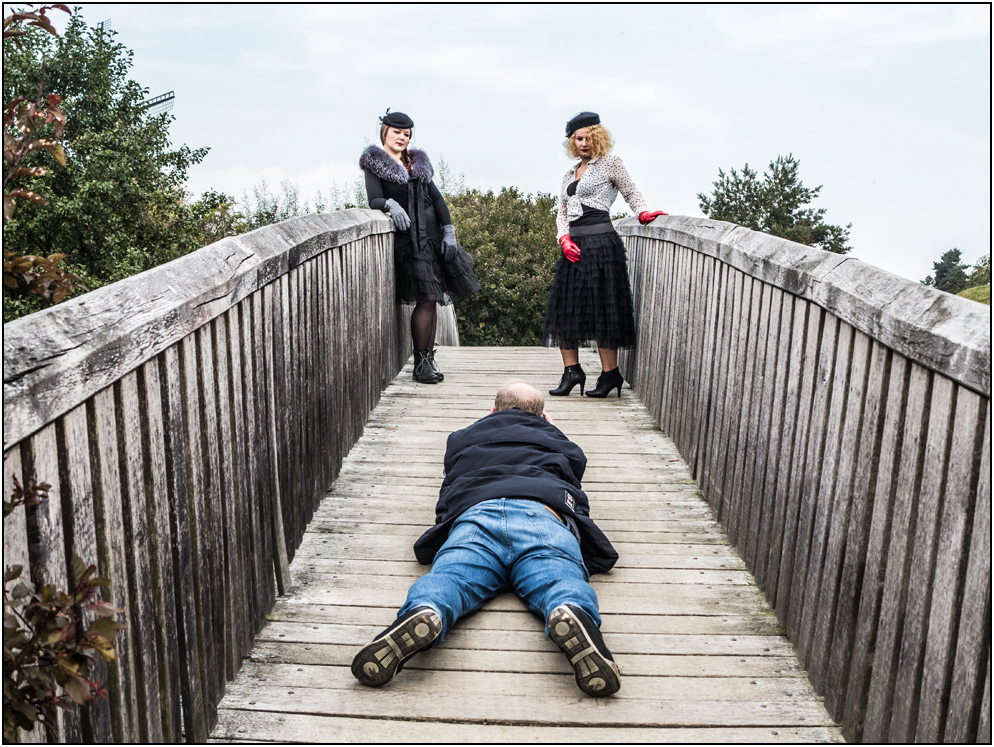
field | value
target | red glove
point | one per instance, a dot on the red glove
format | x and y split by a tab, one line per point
646	217
570	249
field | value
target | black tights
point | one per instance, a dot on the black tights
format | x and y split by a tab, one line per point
423	325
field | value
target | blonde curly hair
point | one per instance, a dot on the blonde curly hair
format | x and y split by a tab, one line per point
600	141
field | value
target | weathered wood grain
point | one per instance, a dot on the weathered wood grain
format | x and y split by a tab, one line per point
59	357
110	526
184	537
950	566
311	728
76	480
811	573
696	343
15	525
229	498
885	535
710	434
243	477
744	419
139	550
202	579
713	275
907	704
172	478
729	400
793	463
780	436
249	438
157	505
667	602
745	453
823	484
936	330
858	427
281	562
894	536
838	635
968	693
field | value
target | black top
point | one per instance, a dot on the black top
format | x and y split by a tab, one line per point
378	191
591	216
515	454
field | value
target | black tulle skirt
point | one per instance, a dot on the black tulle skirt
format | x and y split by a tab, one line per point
591	300
422	275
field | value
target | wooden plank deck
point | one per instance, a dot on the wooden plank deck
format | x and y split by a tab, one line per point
702	657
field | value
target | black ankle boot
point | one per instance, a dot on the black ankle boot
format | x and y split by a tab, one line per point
434	366
607	381
572	375
423	373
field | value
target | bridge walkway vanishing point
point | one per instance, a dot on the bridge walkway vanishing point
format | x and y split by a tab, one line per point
702	656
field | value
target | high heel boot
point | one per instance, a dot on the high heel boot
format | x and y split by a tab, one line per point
423	372
572	375
607	381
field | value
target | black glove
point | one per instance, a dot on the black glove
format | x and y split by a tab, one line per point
449	245
399	215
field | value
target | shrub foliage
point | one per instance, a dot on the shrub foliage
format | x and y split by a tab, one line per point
48	650
513	239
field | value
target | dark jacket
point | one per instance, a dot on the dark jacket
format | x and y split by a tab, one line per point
415	191
515	454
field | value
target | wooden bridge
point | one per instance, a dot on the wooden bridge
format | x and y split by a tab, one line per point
703	657
798	484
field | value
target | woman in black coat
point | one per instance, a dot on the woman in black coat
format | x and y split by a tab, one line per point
431	268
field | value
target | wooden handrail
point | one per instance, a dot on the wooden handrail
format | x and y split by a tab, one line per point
189	419
837	420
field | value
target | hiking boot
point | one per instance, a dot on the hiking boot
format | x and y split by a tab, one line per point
378	662
577	636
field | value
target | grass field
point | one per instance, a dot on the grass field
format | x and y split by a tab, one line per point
981	293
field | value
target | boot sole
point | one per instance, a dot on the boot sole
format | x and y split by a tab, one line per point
377	662
596	675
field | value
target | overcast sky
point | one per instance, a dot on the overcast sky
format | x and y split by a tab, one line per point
886	106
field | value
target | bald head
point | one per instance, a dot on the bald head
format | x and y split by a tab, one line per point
519	394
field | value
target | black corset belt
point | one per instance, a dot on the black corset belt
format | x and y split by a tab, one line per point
591	230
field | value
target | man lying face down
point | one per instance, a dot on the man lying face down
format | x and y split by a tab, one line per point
510	515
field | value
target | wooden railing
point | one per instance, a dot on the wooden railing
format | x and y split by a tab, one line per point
189	419
837	420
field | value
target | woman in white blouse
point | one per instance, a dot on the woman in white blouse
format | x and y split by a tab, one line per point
590	297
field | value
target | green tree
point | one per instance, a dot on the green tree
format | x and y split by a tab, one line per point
118	204
25	126
513	239
981	274
214	216
775	204
950	273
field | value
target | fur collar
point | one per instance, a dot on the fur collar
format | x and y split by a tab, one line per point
375	159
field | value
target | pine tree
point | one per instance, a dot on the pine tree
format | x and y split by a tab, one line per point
774	205
950	273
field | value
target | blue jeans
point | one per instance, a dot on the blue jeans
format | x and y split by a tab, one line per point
500	545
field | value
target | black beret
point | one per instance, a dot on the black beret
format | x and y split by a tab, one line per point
397	119
583	119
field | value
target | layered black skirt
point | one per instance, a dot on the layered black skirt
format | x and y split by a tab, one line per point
591	300
422	275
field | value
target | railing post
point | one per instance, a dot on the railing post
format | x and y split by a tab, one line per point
837	420
189	419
